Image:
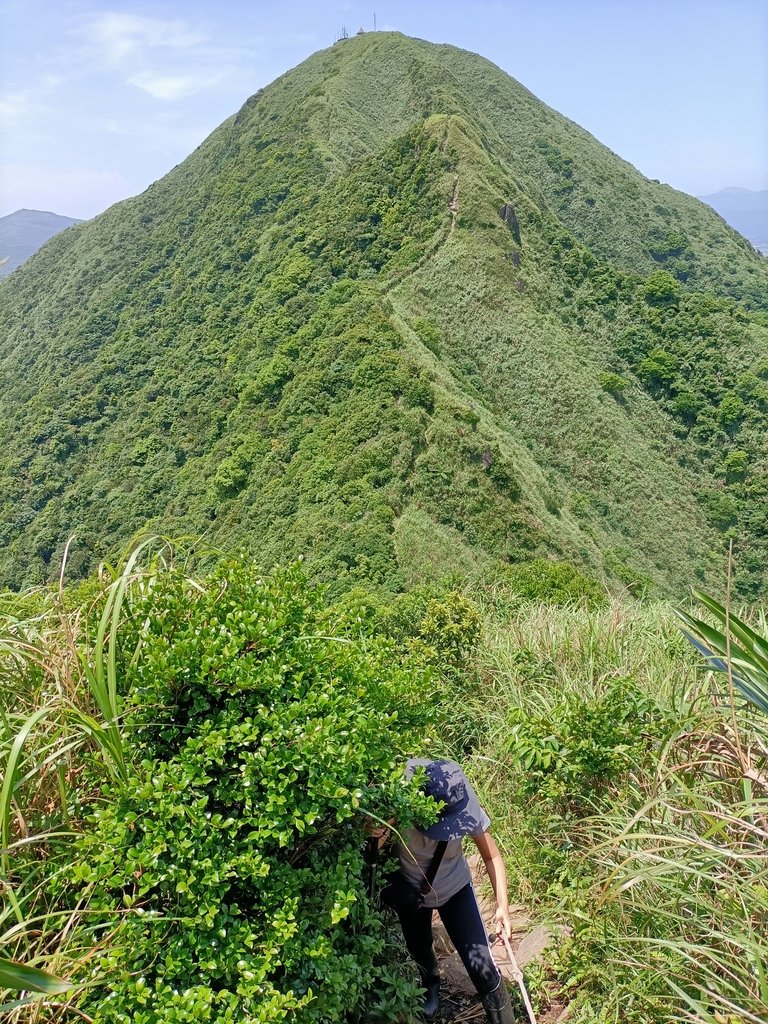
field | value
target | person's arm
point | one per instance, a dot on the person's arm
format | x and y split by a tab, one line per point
497	873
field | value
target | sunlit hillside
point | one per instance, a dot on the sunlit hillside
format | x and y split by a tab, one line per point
397	316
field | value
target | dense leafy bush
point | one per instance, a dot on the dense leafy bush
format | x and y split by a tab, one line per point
613	383
440	627
661	288
552	582
574	753
451	629
229	867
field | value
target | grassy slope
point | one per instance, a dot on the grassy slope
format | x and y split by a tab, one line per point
389	80
616	807
293	343
603	200
539	391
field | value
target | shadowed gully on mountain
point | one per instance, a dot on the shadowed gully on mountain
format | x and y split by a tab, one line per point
400	317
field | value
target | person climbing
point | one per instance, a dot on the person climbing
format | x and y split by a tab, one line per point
432	864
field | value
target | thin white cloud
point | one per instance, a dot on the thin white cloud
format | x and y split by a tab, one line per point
174	87
20	107
166	135
120	37
169	59
15	107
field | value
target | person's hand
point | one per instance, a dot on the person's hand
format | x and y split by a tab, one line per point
374	828
503	923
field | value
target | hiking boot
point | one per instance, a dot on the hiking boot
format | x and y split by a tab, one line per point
498	1006
432	997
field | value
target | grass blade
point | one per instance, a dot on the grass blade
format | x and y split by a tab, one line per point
20	978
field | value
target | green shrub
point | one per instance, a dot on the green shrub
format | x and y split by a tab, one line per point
665	246
612	383
659	367
451	629
735	465
441	627
721	508
661	288
582	747
229	866
730	411
554	583
686	405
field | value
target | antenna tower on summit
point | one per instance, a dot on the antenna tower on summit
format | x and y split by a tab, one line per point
374	21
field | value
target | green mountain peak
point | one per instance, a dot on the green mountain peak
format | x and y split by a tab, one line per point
400	317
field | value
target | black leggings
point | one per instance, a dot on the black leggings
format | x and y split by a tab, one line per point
462	921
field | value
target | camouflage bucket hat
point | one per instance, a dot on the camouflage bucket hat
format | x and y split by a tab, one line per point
461	813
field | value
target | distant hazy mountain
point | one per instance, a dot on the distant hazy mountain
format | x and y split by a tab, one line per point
745	210
22	233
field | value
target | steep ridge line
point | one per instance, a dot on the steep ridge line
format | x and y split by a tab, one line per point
222	376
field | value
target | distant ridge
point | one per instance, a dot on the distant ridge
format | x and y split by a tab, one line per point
23	232
745	210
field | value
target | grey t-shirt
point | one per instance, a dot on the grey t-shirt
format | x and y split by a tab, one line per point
452	875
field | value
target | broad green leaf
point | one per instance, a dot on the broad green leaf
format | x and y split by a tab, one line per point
20	978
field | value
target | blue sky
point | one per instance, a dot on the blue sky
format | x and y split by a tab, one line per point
99	99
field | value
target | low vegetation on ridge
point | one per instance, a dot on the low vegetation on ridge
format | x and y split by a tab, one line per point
190	757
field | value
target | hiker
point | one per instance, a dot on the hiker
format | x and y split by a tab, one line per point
434	874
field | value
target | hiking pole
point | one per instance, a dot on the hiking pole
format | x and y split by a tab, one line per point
517	974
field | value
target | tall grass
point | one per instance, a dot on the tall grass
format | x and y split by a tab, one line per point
61	737
689	876
663	876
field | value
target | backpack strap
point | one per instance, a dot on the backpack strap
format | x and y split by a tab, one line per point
434	865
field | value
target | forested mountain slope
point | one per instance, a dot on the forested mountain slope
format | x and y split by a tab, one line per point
399	316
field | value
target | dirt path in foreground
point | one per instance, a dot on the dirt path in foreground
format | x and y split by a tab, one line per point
459	1003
